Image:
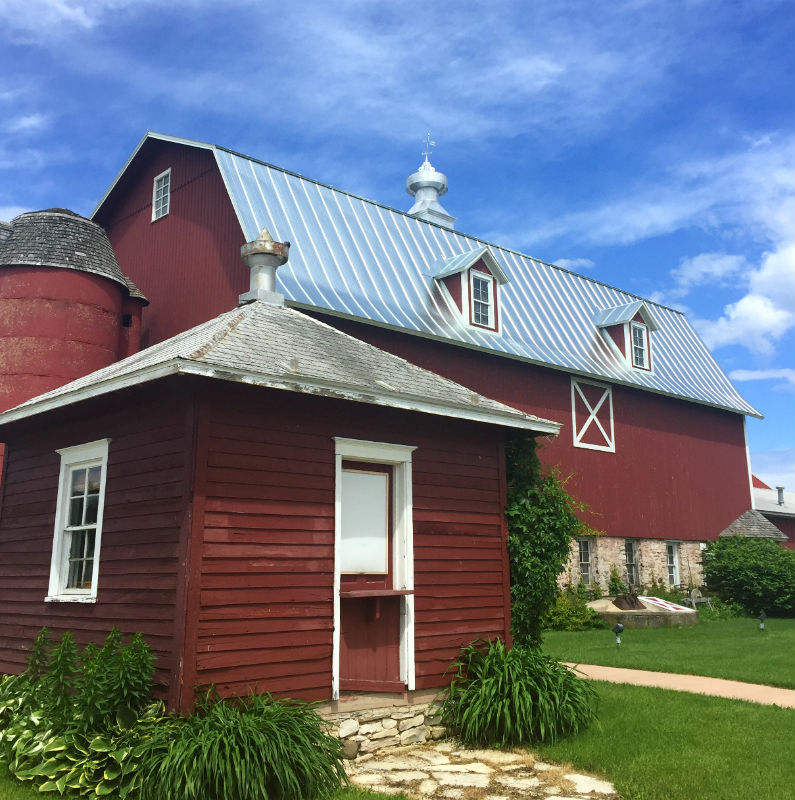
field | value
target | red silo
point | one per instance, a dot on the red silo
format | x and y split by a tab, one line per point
66	309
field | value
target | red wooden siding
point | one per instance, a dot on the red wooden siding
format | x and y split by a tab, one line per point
679	470
187	263
266	613
787	526
145	502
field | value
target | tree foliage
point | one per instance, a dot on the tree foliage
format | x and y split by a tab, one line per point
542	521
757	574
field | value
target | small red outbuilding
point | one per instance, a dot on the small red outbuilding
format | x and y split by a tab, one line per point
271	501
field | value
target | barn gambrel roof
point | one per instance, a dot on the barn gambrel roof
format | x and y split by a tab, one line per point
359	259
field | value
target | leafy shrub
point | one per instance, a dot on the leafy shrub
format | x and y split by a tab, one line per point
660	588
719	610
757	574
615	585
570	612
245	749
542	521
502	697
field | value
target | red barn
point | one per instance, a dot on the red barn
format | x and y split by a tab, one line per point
653	431
271	501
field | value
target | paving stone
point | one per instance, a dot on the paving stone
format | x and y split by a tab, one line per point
583	784
496	797
493	756
461	779
444	747
406	775
386	763
453	793
432	756
347	728
391	789
516	782
368	779
472	766
552	789
542	765
428	787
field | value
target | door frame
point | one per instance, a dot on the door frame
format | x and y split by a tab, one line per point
399	456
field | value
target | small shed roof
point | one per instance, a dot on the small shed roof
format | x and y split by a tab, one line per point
753	525
278	347
766	501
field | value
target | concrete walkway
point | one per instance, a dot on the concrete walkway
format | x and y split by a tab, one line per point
717	687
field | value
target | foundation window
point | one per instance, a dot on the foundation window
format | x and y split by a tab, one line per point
631	552
672	553
584	546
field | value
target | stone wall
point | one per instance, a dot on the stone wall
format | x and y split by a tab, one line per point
652	561
370	729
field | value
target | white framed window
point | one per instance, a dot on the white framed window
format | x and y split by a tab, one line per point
639	344
592	415
481	299
364	538
161	195
74	567
631	554
672	558
584	546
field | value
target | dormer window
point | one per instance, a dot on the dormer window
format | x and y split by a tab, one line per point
640	345
627	332
470	283
481	293
161	195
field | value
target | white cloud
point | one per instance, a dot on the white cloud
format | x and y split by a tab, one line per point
25	123
708	268
574	263
7	213
775	467
785	374
753	322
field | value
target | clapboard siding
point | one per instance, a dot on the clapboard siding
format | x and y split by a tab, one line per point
265	610
149	467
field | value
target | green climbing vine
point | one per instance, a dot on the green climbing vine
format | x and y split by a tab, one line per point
542	521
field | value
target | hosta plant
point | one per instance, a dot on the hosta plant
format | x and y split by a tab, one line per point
501	697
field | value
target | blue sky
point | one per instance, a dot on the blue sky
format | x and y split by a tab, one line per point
646	144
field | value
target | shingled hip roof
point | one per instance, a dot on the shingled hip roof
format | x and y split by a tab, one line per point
282	348
752	525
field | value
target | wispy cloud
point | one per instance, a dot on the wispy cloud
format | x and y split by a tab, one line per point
26	123
574	263
785	374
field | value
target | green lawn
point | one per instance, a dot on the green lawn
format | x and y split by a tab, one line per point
656	744
730	648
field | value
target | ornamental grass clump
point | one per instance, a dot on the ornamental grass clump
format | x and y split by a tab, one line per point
502	697
254	748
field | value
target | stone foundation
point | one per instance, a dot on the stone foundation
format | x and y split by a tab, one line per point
365	726
608	551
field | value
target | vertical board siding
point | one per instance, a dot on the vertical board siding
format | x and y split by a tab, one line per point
148	466
679	470
266	610
187	263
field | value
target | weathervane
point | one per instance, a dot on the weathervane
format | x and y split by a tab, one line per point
428	145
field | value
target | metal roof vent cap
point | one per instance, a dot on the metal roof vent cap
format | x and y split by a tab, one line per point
263	257
780	491
427	185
